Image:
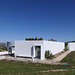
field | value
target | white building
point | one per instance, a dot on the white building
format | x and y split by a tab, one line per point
71	46
32	48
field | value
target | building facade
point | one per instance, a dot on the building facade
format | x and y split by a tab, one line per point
36	48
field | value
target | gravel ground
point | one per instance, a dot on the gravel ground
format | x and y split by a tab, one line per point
29	60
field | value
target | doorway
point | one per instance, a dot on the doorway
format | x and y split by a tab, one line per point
37	52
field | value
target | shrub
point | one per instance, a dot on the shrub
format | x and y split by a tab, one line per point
40	39
48	54
51	56
62	51
34	38
66	49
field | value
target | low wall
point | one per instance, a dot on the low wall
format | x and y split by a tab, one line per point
4	53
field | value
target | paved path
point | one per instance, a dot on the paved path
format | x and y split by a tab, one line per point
30	60
60	57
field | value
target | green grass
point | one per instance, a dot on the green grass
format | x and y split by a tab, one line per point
70	58
25	68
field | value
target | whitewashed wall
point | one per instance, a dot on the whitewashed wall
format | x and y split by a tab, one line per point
71	46
54	47
24	48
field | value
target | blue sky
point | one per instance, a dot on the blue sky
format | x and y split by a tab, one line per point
20	19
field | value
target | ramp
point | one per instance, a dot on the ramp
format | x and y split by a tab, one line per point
60	57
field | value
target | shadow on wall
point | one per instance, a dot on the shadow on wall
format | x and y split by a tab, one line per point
31	51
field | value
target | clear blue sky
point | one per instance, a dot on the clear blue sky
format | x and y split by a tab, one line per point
37	18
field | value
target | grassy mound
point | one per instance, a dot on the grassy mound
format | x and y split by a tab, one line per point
70	58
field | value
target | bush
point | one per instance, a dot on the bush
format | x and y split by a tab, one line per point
40	39
66	46
34	38
48	54
62	51
66	49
